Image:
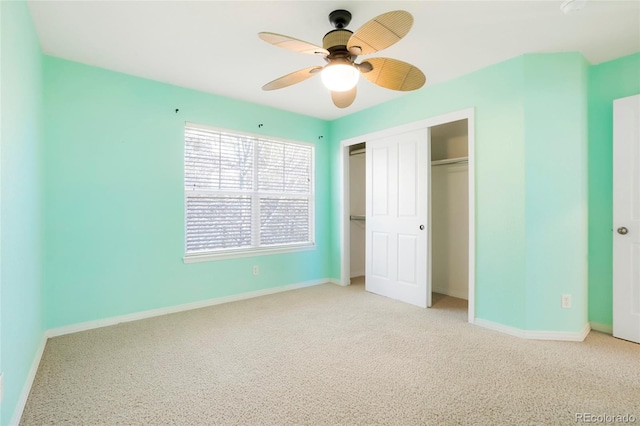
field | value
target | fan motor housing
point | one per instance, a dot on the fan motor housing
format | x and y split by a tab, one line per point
340	18
336	40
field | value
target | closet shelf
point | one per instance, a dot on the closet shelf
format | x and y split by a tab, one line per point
357	217
450	161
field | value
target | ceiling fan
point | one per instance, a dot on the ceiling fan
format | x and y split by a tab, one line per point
341	47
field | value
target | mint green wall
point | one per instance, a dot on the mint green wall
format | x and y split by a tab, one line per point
114	227
496	94
520	275
20	197
607	81
555	120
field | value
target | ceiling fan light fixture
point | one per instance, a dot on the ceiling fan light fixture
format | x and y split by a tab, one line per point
341	47
340	77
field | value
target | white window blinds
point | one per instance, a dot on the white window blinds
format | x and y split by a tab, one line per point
244	192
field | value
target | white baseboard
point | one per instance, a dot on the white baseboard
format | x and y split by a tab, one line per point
570	336
74	328
26	388
602	328
339	282
457	293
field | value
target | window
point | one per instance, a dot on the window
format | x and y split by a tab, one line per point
245	193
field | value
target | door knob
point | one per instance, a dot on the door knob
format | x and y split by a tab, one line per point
623	231
421	227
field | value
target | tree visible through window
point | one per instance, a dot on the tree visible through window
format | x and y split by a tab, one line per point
246	192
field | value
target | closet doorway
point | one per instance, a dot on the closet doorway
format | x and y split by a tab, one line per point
357	218
352	220
449	205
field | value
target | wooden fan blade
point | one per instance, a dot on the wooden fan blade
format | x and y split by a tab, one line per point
293	78
344	99
395	75
293	44
380	32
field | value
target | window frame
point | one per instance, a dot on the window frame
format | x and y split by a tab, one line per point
255	194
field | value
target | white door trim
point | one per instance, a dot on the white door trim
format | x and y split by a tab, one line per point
469	115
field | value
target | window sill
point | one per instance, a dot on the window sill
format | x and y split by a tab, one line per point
234	254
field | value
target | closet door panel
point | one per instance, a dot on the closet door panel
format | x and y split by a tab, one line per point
397	199
407	174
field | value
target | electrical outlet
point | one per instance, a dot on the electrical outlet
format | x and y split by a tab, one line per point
256	270
566	301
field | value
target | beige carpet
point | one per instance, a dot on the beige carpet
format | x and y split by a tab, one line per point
327	355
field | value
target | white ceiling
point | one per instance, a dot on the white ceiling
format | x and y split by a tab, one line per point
212	46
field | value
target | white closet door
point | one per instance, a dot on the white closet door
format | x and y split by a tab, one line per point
396	214
626	218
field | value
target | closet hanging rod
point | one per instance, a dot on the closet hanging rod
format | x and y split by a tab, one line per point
356	217
358	151
450	161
